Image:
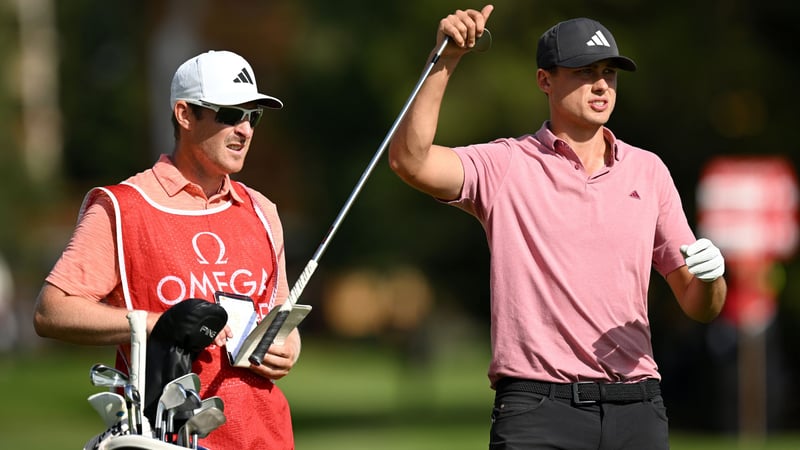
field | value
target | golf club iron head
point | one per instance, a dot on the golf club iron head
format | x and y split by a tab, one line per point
187	381
192	402
174	395
211	402
189	405
200	425
105	376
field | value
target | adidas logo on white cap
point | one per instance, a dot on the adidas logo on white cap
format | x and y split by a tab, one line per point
243	77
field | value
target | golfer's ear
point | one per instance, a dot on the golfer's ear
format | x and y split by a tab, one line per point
543	80
182	113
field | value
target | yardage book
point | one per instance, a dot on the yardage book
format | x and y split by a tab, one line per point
247	331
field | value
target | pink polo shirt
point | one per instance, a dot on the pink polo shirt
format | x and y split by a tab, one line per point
571	255
88	266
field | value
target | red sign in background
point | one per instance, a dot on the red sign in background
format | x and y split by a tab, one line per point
748	207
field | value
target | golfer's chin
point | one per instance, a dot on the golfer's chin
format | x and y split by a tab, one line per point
234	162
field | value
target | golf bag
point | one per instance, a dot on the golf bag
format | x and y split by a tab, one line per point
178	337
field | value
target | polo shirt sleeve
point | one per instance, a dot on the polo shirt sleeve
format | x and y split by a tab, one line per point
88	268
672	227
485	168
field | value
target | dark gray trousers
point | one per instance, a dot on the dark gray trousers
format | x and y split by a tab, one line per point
528	421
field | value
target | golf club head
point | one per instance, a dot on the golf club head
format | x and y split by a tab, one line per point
484	42
201	425
183	411
104	376
174	394
187	382
206	421
110	406
211	402
193	402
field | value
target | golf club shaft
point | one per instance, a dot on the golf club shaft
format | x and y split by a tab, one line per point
377	156
138	324
269	336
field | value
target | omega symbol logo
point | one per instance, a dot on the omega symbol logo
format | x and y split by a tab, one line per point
201	258
211	271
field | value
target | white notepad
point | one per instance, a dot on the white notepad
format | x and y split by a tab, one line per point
247	332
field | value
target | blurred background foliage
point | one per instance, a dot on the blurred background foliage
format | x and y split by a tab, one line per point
714	79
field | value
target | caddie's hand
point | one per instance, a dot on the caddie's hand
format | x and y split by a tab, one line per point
222	337
277	363
463	28
704	260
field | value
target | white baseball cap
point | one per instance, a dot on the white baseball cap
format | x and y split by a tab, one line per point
218	77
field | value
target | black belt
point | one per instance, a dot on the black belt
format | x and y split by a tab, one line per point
586	392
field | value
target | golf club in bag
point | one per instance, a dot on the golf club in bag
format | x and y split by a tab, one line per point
171	403
483	43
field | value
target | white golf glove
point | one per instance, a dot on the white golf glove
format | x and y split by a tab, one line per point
704	260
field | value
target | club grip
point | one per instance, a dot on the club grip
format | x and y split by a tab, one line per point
269	337
138	323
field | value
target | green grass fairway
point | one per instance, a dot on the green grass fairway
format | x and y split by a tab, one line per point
353	397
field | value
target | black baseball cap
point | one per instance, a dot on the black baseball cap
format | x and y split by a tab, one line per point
577	43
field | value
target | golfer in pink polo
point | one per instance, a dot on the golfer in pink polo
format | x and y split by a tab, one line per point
576	219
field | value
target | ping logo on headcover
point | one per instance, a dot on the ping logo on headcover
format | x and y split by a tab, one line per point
598	40
244	77
208	332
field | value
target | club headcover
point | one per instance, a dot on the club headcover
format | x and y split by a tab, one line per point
178	337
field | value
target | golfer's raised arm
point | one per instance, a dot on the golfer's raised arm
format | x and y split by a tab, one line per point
434	169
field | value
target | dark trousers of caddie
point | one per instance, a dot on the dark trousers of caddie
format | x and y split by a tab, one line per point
579	416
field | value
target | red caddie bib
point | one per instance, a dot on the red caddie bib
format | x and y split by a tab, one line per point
166	256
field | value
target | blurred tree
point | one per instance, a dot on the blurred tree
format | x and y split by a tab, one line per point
102	74
10	158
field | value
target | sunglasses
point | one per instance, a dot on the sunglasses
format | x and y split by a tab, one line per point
232	115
